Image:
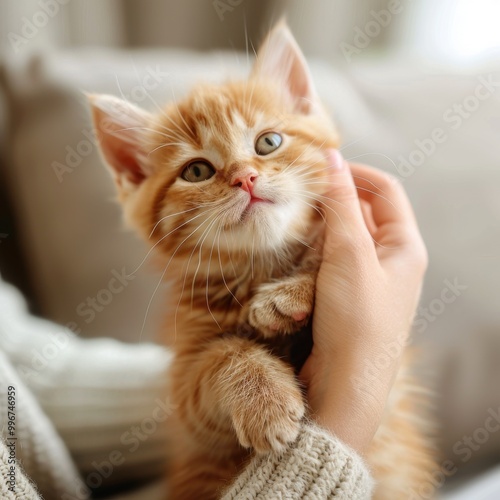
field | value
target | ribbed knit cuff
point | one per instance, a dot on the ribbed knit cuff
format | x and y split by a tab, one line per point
317	466
34	443
14	485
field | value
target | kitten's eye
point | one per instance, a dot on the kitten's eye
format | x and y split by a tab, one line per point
198	171
267	143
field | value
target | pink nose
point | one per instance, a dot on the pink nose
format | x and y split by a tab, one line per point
245	180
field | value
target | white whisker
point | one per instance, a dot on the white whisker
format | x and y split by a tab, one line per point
163	275
168	216
222	271
206	233
161	239
373	154
207	282
356	141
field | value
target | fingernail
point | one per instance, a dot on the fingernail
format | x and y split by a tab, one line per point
336	159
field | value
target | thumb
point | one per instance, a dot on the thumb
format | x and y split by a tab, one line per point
344	218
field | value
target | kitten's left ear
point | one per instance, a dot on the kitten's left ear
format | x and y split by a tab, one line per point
280	59
121	130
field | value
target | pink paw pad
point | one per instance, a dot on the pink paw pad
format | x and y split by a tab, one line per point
299	316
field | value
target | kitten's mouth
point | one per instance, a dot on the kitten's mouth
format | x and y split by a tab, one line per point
254	201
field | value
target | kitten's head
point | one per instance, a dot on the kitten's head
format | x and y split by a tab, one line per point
239	165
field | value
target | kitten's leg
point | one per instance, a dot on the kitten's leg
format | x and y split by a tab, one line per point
230	393
236	382
283	306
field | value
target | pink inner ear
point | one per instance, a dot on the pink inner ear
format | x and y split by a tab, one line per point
301	90
281	60
129	167
119	125
121	150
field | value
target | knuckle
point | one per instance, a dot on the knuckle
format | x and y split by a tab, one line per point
389	181
418	256
392	181
423	258
354	250
342	191
358	245
389	185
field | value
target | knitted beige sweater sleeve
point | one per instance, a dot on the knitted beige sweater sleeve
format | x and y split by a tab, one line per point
14	485
317	466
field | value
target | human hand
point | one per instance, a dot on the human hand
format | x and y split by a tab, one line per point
367	291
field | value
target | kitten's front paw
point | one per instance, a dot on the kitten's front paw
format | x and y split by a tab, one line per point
282	307
271	420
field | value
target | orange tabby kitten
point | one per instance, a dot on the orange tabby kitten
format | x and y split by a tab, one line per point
227	185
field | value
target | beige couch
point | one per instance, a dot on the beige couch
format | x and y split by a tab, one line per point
437	130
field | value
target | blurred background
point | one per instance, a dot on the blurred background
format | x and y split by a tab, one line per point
414	87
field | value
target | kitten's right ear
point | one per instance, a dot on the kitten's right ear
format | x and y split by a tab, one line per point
121	130
280	59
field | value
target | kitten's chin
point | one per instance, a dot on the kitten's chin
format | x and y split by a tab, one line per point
257	207
262	226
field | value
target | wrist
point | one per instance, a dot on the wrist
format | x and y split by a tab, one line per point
347	397
351	422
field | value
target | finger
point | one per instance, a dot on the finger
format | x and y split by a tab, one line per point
391	212
343	213
385	195
368	217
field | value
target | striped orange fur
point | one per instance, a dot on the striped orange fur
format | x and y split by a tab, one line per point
239	234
